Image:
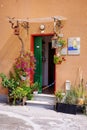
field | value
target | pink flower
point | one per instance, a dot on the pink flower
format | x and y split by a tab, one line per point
26	63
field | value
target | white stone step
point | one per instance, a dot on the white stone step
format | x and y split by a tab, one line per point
42	100
40	104
44	97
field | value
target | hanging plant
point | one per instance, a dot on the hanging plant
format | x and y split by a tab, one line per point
25	65
58	59
61	43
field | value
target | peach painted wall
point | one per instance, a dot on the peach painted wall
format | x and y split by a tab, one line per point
76	26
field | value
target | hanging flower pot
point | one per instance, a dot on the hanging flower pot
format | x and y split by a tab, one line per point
23	77
57	59
61	42
25	65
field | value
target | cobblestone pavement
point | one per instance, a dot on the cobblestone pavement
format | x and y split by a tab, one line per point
34	118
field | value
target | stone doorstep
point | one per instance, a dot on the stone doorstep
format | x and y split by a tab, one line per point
42	104
42	100
45	95
39	102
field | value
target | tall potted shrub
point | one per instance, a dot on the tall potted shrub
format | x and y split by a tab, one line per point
19	88
68	105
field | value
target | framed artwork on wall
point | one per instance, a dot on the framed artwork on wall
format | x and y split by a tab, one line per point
74	46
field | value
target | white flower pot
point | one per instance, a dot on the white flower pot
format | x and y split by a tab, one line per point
35	92
23	77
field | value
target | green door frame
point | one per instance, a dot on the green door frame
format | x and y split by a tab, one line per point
32	49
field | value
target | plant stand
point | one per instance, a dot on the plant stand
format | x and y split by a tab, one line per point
66	108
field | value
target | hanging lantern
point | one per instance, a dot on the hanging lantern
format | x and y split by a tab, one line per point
55	41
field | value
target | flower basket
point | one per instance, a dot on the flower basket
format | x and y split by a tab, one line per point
25	65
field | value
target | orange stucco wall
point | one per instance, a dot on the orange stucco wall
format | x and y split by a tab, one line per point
76	26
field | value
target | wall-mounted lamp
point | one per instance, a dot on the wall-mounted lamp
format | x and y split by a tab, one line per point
42	28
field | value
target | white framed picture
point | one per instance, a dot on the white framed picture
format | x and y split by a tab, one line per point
74	46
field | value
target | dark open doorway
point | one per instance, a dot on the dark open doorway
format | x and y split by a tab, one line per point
45	68
48	75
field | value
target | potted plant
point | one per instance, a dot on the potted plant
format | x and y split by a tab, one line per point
23	75
85	104
20	95
18	83
80	94
61	43
25	65
35	87
18	90
58	59
9	83
68	105
81	98
59	96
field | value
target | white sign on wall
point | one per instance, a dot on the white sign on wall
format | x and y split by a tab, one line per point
74	46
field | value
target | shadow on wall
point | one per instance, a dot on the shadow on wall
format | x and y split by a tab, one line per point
3	98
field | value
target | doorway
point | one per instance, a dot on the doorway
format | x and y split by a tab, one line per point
45	68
